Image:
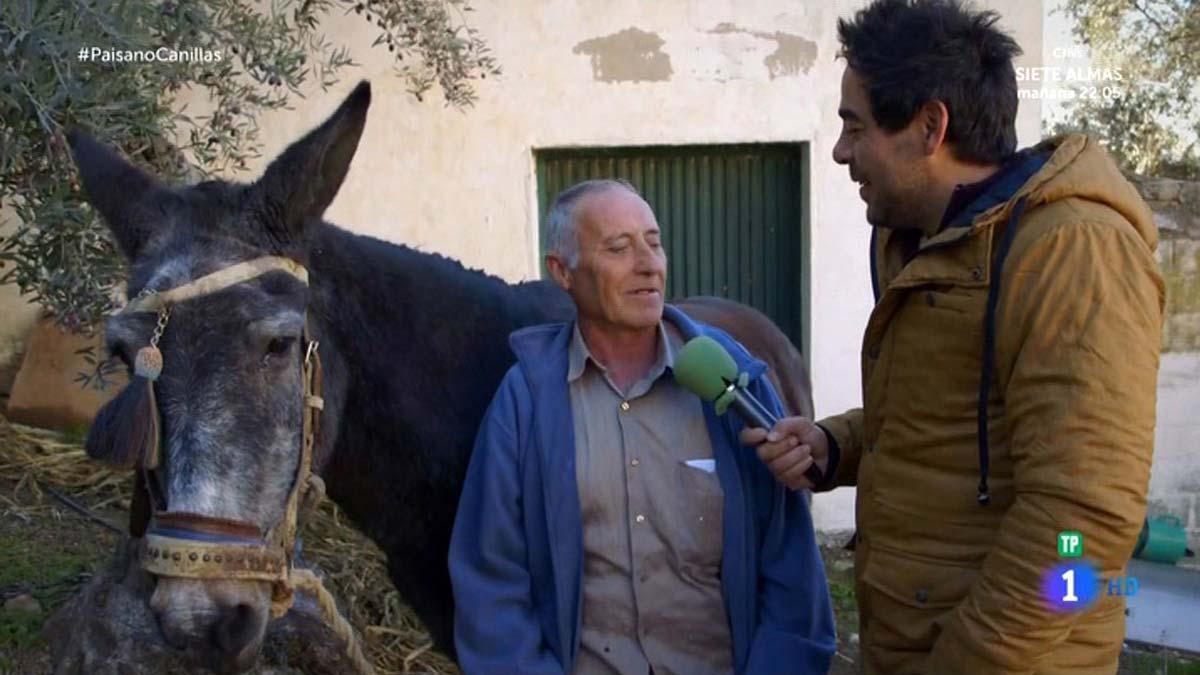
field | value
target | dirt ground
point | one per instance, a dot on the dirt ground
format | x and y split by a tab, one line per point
48	550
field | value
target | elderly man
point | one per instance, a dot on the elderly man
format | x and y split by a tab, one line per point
609	523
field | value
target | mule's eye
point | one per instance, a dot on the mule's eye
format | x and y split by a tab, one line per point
280	346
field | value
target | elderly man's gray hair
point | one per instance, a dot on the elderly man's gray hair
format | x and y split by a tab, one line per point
561	237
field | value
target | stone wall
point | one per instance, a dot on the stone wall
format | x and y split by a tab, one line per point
1176	206
1175	480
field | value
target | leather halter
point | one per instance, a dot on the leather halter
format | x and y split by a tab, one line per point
194	546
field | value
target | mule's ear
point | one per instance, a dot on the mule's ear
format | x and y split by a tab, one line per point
119	191
301	183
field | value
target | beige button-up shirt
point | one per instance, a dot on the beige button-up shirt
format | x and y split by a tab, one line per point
652	514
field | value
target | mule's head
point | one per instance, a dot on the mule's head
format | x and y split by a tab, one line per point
230	391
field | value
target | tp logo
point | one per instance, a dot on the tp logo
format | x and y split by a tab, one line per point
1070	544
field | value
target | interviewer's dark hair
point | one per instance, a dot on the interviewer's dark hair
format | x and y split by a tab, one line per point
910	52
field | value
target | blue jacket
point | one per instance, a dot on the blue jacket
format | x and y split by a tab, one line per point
516	554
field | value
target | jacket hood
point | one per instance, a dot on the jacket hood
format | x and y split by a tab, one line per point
1079	168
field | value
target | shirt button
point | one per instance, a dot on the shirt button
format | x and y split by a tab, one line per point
635	461
624	405
977	273
640	518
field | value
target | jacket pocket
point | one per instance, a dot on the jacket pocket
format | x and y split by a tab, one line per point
916	581
906	602
949	298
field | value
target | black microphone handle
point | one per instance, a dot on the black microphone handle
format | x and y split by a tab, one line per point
754	414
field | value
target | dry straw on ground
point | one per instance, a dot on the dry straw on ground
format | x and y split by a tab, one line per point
353	566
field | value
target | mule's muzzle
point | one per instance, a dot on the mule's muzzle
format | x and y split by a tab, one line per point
220	628
217	582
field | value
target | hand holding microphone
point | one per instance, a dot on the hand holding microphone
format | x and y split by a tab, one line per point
794	449
790	450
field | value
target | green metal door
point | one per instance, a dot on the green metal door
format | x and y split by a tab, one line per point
733	217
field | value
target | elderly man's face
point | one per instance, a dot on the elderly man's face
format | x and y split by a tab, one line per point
622	272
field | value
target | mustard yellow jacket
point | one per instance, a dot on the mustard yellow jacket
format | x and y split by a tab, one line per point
944	583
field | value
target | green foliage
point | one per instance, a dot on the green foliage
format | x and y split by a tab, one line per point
1153	44
18	630
245	57
50	574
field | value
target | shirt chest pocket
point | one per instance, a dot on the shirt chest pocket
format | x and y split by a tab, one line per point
699	519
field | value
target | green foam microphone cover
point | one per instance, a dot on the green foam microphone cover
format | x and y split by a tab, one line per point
704	368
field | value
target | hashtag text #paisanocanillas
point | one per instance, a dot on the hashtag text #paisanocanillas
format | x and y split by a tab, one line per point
160	55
